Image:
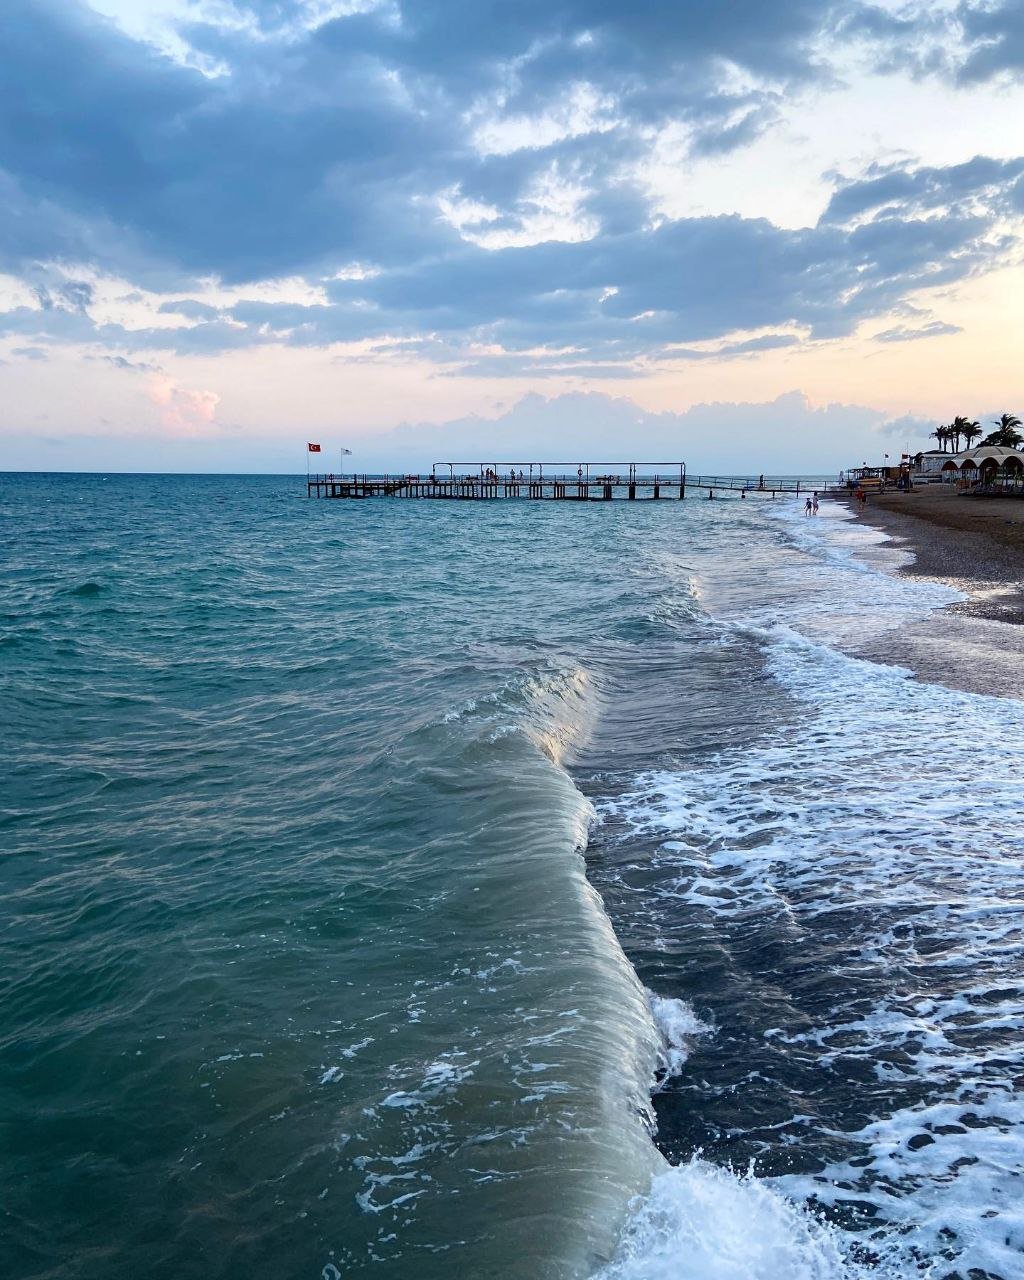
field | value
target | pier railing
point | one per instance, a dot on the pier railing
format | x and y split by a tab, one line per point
592	482
759	484
585	482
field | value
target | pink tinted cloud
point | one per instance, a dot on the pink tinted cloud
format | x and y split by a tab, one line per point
183	412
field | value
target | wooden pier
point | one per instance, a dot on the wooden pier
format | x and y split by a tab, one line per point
557	481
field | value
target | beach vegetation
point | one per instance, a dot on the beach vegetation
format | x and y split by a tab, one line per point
941	434
1007	434
956	430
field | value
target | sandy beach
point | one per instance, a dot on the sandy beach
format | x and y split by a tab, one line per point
977	544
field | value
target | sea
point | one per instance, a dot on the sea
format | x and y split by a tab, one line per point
521	890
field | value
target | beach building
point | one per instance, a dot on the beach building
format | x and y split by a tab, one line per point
875	479
990	465
928	464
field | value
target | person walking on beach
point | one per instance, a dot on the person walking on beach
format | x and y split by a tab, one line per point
808	507
814	505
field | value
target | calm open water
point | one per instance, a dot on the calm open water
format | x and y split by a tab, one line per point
532	890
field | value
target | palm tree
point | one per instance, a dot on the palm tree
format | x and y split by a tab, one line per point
1007	432
942	435
958	427
971	431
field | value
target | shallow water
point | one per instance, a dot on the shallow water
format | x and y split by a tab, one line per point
838	892
310	968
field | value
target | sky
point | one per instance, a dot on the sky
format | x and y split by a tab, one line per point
752	235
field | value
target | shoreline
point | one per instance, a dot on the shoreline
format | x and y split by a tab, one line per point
975	546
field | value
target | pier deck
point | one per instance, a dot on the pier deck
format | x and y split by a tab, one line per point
581	482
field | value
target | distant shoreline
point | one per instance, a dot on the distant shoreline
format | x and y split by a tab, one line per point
975	544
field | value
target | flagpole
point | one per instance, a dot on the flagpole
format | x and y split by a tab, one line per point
310	448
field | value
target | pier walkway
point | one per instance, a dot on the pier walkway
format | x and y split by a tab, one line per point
579	482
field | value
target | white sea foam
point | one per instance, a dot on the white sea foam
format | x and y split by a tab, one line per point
841	586
942	1179
700	1222
441	1077
678	1026
893	804
353	1049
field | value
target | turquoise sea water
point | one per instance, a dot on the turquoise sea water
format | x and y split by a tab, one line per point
368	866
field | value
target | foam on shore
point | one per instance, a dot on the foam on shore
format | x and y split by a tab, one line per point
701	1222
878	828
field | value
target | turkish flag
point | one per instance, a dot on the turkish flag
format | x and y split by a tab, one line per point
314	448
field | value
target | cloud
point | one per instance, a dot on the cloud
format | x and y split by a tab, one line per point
909	429
189	308
994	34
785	435
936	329
752	346
780	436
333	129
479	163
285	163
612	299
182	411
969	42
887	193
130	366
684	281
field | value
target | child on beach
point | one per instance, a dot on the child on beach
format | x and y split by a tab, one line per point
808	507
